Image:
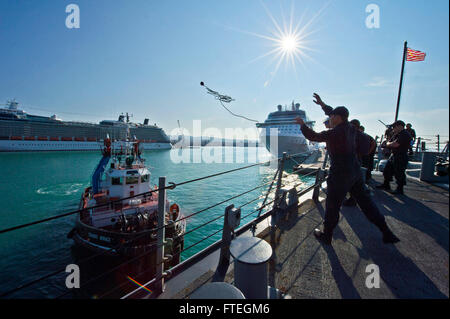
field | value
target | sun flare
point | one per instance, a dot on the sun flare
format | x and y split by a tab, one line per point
290	41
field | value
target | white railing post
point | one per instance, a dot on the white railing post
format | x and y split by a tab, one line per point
159	285
280	180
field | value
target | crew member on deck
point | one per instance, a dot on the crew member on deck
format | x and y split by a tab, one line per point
345	172
388	135
411	132
363	152
398	162
368	160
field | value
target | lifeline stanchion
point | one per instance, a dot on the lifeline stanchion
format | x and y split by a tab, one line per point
229	224
159	287
280	177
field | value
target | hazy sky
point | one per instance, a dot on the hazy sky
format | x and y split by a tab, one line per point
148	57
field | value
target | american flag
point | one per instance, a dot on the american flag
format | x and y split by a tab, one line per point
415	56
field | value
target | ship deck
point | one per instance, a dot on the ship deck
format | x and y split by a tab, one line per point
417	267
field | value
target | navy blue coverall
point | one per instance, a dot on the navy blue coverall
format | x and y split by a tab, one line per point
345	174
398	161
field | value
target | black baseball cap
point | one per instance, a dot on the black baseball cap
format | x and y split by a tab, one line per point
341	111
355	122
398	123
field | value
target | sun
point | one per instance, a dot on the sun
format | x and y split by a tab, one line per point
289	43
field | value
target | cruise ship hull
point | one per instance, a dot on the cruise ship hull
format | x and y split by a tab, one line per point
64	146
292	145
20	131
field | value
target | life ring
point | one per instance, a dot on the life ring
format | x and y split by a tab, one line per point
174	210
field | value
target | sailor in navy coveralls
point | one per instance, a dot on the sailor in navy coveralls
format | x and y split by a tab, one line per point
343	144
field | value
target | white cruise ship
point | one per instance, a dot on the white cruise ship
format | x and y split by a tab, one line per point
280	128
20	131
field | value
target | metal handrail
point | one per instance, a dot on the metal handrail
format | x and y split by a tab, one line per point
208	250
163	189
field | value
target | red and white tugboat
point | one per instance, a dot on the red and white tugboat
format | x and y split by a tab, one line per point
125	227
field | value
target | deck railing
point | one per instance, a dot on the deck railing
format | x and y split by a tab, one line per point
271	208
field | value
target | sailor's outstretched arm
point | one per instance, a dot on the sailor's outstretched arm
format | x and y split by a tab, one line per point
326	108
313	136
310	134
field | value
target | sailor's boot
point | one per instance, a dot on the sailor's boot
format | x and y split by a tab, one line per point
322	236
388	235
386	186
398	191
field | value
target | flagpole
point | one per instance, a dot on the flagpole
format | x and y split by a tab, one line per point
401	80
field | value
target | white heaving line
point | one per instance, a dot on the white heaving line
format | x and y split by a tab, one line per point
225	99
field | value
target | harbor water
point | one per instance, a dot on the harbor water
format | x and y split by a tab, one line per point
34	186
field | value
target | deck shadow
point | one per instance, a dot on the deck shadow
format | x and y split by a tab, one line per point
401	274
343	281
415	214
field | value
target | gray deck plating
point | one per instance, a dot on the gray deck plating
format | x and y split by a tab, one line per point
417	267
